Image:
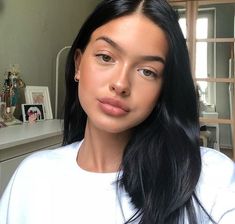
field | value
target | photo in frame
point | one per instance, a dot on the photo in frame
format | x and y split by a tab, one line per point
35	112
39	95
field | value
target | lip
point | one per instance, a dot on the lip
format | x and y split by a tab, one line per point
113	107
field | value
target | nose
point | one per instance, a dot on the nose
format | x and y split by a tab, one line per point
120	84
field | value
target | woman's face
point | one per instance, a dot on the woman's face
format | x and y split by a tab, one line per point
121	72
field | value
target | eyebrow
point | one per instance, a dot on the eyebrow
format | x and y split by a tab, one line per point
145	58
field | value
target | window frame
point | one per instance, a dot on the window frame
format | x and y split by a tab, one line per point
191	17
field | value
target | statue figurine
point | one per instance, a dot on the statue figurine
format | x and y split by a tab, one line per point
10	95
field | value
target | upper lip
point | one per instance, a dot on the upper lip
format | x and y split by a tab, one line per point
114	103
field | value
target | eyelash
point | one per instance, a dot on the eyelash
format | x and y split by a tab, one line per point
151	75
101	58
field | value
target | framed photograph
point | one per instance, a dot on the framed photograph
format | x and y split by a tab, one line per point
39	95
32	112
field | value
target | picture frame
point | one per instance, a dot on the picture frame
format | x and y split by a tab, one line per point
36	110
39	95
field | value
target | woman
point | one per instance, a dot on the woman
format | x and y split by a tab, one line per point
131	132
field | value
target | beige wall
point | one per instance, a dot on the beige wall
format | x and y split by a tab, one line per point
32	32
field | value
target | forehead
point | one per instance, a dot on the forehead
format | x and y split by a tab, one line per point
134	32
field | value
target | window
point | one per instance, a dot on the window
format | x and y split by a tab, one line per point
208	27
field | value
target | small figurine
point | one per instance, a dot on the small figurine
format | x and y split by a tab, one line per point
10	93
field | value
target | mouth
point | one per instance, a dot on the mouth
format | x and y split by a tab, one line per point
113	107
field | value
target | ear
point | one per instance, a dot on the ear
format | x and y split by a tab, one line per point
77	61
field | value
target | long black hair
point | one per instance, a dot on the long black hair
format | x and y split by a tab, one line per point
161	163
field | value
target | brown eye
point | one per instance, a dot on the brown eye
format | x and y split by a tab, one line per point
147	73
104	58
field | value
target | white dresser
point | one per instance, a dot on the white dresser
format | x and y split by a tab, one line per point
18	141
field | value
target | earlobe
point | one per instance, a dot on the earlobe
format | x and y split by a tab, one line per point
76	78
77	61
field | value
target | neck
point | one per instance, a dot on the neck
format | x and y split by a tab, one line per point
101	151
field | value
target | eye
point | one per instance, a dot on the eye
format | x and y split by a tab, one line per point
148	73
104	58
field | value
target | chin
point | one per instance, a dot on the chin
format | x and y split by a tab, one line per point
114	130
116	127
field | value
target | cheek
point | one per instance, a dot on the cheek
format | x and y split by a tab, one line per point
149	95
90	74
150	98
149	103
86	76
89	85
146	100
85	89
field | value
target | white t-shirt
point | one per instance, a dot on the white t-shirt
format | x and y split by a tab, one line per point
50	188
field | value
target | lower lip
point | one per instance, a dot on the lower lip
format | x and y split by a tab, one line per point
112	110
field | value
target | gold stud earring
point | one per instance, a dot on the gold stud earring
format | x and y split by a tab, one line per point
76	79
76	75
